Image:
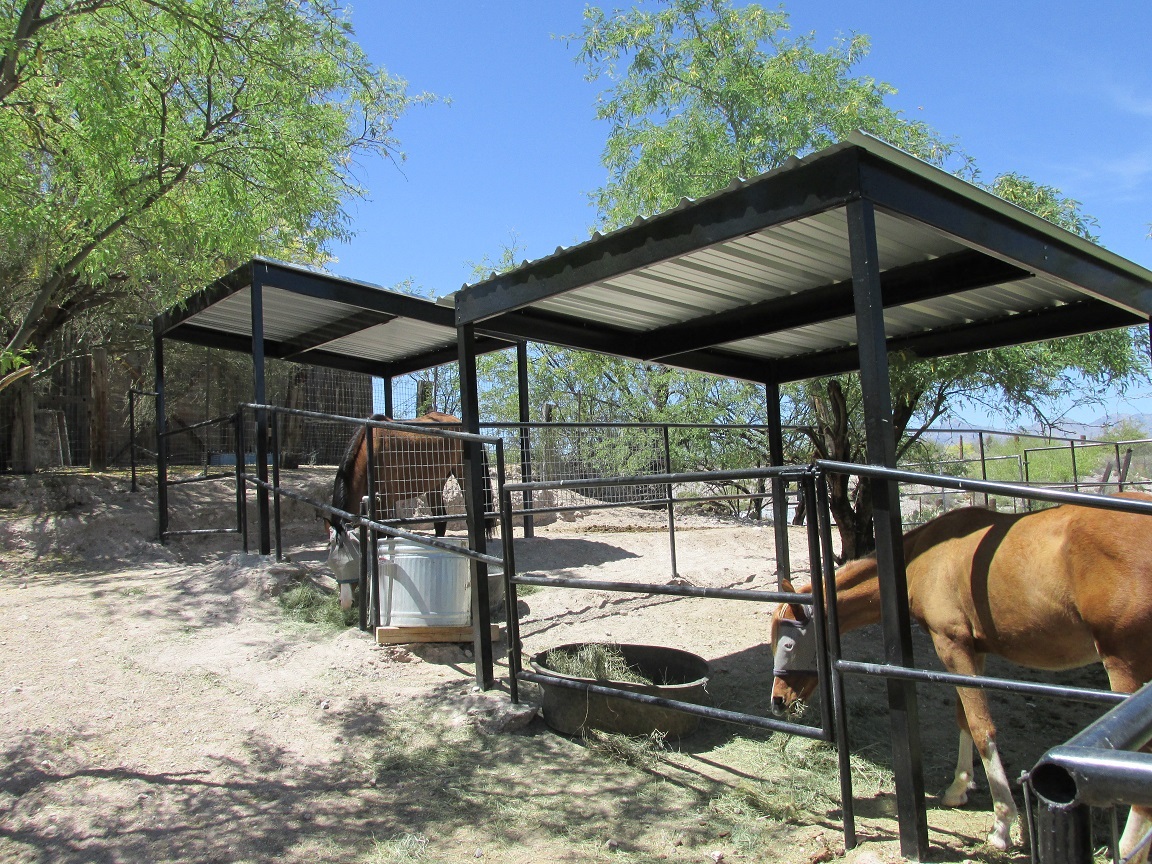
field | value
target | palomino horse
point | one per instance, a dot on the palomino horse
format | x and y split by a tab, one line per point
408	465
1055	589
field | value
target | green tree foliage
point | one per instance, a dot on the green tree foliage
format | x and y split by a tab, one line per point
701	93
148	145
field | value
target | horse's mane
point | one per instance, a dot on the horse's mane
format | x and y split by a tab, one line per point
340	486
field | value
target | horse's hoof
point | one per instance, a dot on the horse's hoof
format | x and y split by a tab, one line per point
1001	837
956	795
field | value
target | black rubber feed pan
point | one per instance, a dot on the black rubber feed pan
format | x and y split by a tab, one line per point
683	677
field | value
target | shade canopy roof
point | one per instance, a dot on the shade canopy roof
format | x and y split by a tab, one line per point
755	282
319	319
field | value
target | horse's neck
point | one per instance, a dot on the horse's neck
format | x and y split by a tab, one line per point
858	594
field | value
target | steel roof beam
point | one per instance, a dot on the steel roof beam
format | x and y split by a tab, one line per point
347	326
582	335
358	294
913	283
440	356
1072	319
223	288
904	193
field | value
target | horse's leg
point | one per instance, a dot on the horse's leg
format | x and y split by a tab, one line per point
962	660
1125	679
436	505
964	780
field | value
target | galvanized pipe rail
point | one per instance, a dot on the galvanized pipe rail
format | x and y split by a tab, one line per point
1095	768
833	726
369	526
1062	830
164	483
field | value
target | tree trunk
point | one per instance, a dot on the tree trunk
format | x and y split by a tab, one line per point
292	427
833	442
24	427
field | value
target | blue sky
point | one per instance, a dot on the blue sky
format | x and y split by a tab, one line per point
1055	90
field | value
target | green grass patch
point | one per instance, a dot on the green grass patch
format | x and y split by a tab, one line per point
309	604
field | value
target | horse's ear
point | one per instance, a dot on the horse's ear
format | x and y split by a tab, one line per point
799	612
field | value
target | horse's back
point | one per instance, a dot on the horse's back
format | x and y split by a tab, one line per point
1044	589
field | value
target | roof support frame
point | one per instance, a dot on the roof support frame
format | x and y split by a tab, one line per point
905	194
1068	320
896	619
349	325
913	283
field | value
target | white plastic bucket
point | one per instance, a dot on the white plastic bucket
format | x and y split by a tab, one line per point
428	587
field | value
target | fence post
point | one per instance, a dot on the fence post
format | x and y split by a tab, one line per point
525	439
671	506
374	536
1060	828
1075	473
276	483
132	434
98	410
161	438
241	481
983	464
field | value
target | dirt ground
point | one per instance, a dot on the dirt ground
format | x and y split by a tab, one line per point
157	705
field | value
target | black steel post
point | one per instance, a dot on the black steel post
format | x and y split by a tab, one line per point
132	435
1061	828
388	408
241	485
161	438
1095	768
819	510
474	485
260	398
365	592
885	496
512	614
983	464
523	399
779	486
671	503
276	485
373	548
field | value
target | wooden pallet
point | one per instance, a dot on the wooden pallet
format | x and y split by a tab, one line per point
402	635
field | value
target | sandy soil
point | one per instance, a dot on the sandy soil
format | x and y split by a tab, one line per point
156	705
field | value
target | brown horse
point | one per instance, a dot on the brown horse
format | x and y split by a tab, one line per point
408	465
1055	589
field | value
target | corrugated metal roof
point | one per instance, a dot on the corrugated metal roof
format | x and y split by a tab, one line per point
310	316
760	272
731	257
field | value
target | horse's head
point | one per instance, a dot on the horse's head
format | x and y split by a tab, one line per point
794	656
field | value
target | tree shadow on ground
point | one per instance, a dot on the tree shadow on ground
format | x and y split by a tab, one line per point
405	772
